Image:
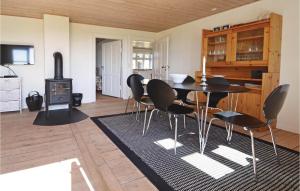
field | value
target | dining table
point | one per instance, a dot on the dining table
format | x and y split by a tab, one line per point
233	92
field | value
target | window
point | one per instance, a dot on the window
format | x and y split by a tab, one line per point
142	59
22	56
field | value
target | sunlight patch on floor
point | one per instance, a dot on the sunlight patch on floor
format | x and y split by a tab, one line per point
210	166
167	143
233	155
55	176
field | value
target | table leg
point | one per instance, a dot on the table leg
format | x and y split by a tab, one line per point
203	130
198	118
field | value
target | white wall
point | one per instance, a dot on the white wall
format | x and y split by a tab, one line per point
83	58
18	30
77	44
185	47
56	39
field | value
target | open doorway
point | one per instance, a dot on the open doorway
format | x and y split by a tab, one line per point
108	67
142	58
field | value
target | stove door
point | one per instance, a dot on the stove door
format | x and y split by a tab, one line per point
60	92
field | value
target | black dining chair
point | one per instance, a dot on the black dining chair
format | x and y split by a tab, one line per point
163	98
271	109
182	94
138	95
140	77
215	98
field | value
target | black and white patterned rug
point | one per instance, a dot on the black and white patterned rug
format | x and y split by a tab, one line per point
222	167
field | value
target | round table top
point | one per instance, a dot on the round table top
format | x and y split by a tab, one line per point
208	88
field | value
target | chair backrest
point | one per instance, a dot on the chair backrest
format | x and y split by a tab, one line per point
274	102
217	81
161	94
137	75
188	79
216	97
136	87
182	94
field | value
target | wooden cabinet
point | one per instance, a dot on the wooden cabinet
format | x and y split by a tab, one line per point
242	45
240	52
217	48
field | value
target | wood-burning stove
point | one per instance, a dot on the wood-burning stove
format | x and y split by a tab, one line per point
58	90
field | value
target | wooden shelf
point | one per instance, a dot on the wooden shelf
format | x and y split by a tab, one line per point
216	43
239	78
243	79
216	55
236	64
249	52
250	38
254	89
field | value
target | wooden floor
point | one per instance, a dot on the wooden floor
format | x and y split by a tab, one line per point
100	164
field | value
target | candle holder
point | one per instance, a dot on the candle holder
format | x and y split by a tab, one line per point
203	80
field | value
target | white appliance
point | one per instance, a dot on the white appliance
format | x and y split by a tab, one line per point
10	94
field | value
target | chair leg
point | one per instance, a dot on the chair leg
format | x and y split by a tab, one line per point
208	128
127	104
196	117
170	120
157	116
145	119
229	135
133	107
175	139
137	111
184	124
227	129
149	121
274	144
253	154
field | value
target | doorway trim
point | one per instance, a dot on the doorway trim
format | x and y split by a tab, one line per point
124	53
126	57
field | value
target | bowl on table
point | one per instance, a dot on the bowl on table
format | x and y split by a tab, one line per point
177	78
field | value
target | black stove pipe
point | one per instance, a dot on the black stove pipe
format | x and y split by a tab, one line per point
58	66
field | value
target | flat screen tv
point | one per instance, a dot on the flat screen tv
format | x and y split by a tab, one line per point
16	54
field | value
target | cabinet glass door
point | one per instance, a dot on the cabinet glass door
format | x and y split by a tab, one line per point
216	48
250	45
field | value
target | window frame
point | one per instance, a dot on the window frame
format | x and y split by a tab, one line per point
136	59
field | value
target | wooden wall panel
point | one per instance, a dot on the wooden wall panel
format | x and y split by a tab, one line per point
145	15
275	43
266	43
249	103
270	82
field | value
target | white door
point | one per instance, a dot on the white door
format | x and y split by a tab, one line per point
111	68
161	58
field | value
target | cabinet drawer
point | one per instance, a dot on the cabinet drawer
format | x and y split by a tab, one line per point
9	83
10	95
9	106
